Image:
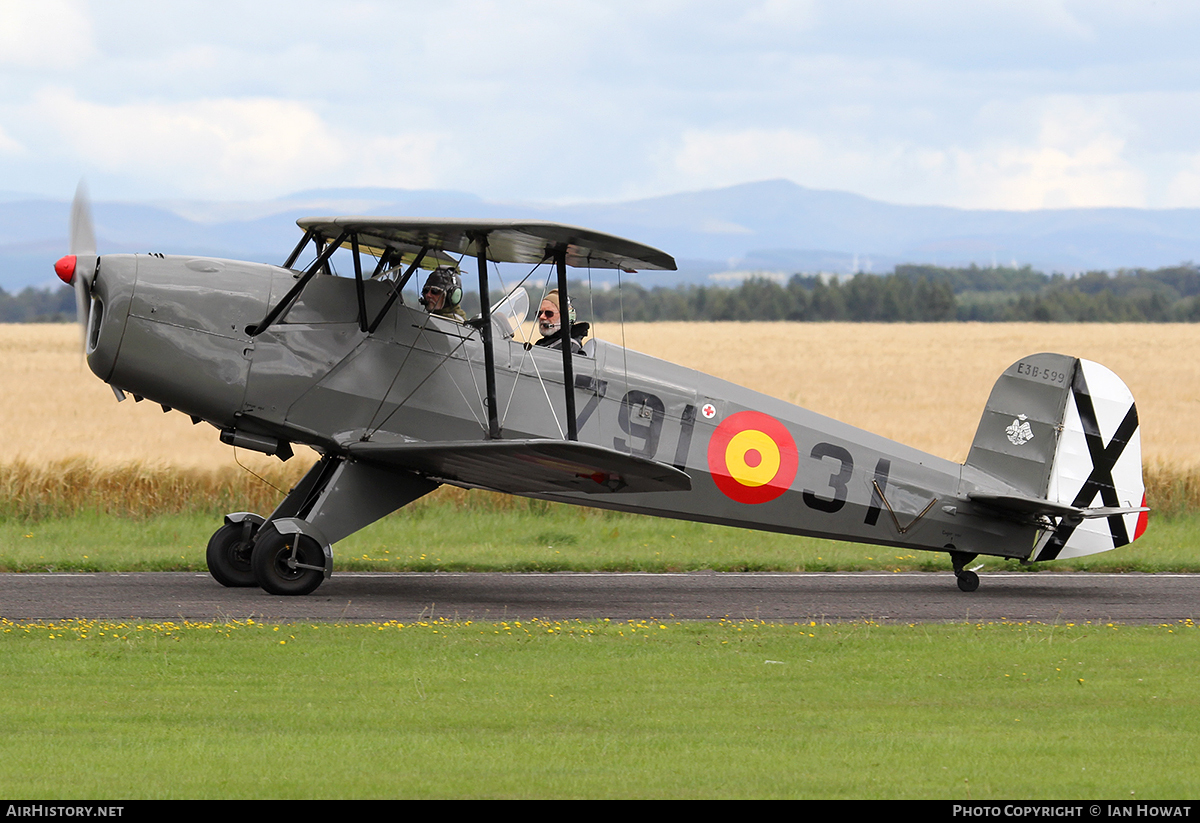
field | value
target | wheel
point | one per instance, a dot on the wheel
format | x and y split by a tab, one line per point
228	554
281	570
968	581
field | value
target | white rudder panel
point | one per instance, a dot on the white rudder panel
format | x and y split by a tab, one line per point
1098	464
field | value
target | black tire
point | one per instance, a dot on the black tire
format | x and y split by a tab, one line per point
273	550
228	554
968	581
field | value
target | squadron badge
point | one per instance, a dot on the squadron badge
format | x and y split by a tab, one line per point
1019	432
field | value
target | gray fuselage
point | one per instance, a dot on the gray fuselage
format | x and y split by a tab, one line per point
174	330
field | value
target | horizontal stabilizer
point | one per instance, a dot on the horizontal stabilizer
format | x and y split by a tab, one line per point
1024	505
528	466
1033	506
1109	511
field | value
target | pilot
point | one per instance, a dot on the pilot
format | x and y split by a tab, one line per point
550	325
443	293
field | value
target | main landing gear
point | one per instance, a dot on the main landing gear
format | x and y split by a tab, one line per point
968	581
279	557
291	552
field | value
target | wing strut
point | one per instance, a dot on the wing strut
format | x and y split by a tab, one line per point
397	286
383	261
299	248
564	317
489	358
359	289
281	306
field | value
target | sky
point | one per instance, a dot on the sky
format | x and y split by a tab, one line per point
1018	104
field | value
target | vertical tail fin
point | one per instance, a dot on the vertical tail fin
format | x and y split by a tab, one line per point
1019	432
1065	430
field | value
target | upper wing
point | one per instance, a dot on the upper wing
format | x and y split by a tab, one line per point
528	466
508	241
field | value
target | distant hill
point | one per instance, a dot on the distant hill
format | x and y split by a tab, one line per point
771	226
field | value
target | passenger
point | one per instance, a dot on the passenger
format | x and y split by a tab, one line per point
443	293
550	325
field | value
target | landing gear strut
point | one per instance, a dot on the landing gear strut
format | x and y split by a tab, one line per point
968	581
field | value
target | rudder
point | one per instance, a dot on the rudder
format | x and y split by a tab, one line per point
1065	430
1098	463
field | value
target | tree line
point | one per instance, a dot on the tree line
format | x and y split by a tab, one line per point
802	298
1165	295
920	293
911	293
30	305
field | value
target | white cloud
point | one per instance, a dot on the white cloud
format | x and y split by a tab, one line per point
722	158
223	147
44	34
1066	152
1183	188
10	146
1047	176
1079	156
999	103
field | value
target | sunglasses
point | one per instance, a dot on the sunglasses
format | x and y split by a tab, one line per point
433	290
547	313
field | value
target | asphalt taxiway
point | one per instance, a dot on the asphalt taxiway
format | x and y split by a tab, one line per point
1045	597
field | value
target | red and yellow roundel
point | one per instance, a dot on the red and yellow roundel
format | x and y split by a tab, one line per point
752	457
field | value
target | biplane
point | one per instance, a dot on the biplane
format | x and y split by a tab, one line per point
398	401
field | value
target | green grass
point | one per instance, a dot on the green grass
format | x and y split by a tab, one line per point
640	709
529	536
656	709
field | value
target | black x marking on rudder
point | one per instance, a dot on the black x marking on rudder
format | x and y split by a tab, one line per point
1100	481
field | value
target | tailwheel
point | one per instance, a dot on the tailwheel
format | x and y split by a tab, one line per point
228	554
287	564
968	581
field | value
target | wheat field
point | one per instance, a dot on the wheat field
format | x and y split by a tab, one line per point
921	384
925	384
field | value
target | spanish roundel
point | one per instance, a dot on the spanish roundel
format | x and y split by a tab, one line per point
752	457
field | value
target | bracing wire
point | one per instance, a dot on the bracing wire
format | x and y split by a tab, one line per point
462	341
533	362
